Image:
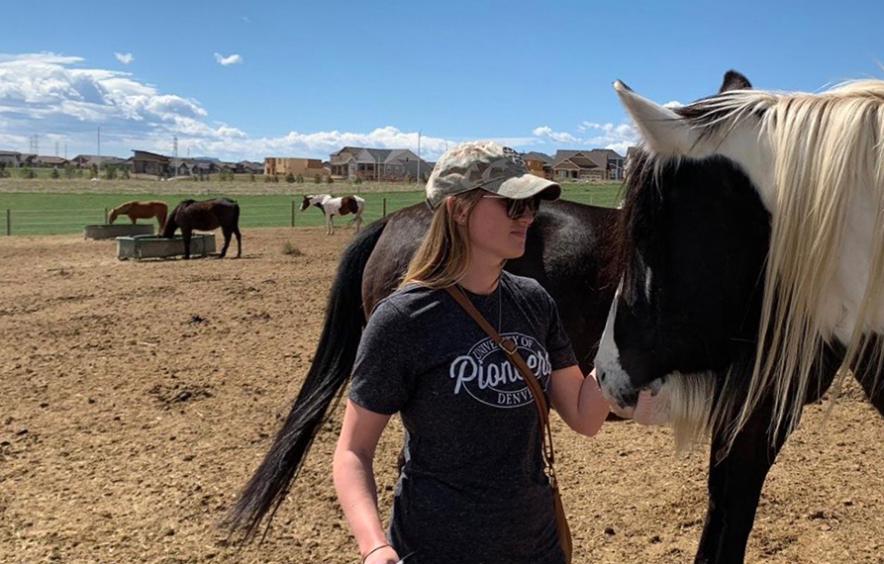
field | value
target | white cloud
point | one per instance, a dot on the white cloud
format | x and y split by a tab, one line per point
233	59
673	104
246	19
546	132
57	98
592	135
124	58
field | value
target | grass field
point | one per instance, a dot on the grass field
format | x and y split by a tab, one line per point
42	212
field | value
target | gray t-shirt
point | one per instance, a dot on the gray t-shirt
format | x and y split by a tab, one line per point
473	489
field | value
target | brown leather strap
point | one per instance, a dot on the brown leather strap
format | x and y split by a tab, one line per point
509	347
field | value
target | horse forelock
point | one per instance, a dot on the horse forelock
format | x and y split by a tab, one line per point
642	200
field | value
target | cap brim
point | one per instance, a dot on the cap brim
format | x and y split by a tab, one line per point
528	185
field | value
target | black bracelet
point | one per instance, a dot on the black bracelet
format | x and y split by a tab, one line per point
373	550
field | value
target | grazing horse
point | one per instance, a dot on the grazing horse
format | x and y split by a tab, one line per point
753	271
141	210
205	216
336	206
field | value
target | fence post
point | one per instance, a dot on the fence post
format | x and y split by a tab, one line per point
105	216
385	208
293	213
8	222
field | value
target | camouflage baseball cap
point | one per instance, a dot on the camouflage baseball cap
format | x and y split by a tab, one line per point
489	166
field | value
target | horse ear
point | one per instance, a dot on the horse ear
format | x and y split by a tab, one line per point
734	80
663	131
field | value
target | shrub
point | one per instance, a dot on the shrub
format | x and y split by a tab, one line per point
317	179
252	177
289	249
290	178
299	179
329	180
54	174
358	180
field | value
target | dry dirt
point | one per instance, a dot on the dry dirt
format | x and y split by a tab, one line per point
136	398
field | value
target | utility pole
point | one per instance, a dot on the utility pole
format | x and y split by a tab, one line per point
99	151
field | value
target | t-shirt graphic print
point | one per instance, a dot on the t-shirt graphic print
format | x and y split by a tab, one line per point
486	374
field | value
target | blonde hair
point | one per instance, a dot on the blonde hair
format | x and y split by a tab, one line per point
444	254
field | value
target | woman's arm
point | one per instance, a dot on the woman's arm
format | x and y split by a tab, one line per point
578	400
354	480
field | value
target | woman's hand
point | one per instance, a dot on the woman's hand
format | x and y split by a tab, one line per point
385	555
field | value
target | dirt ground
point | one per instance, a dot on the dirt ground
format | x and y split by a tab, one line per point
136	399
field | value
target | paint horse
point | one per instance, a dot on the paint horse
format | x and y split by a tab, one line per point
206	215
753	271
141	210
336	206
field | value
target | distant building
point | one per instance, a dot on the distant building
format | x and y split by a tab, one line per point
596	164
295	166
145	162
379	164
10	159
539	164
86	161
50	162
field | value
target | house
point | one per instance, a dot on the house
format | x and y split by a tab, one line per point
50	162
10	159
575	165
249	167
596	164
86	161
145	162
308	168
379	164
539	164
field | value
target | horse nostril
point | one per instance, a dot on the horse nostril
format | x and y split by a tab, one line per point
601	376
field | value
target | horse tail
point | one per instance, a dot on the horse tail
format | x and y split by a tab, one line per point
331	368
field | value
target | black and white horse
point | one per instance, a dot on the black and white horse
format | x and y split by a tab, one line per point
331	207
753	257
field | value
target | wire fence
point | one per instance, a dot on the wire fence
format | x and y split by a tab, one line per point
281	213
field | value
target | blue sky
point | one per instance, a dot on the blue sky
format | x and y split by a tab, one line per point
244	80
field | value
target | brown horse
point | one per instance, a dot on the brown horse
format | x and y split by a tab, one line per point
141	210
205	216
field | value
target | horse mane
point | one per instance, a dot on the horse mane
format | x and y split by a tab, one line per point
828	152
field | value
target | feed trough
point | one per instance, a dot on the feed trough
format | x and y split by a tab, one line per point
152	246
108	231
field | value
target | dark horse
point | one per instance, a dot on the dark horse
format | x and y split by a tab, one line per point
566	251
205	216
688	317
573	251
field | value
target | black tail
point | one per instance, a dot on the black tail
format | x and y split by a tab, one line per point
331	368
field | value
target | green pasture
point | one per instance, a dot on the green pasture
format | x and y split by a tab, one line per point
42	213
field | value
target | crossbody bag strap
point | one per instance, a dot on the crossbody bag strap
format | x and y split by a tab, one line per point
509	348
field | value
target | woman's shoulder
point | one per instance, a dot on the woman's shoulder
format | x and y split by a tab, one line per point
525	285
404	302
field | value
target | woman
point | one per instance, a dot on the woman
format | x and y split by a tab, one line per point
473	487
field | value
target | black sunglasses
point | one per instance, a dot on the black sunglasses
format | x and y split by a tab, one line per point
517	208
